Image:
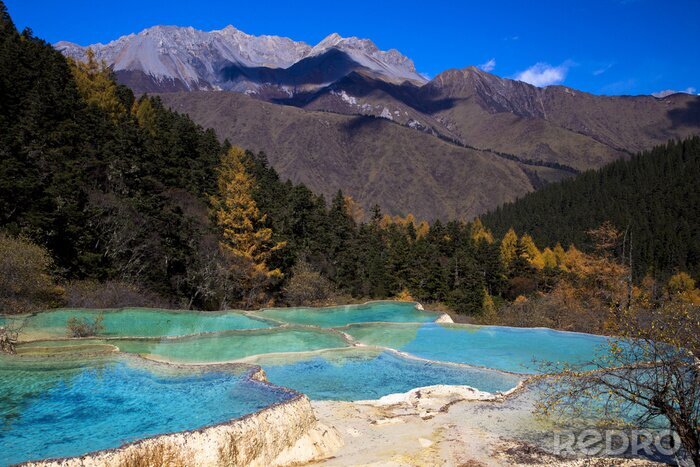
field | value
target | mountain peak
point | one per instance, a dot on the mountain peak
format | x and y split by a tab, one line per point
195	59
330	40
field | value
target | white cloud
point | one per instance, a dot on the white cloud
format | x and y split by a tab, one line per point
488	66
603	69
543	74
668	92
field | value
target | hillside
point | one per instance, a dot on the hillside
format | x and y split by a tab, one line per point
655	193
371	159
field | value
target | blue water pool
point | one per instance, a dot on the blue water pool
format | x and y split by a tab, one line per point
370	374
519	350
399	312
62	408
61	398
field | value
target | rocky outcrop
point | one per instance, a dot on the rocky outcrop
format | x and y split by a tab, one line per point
444	318
282	434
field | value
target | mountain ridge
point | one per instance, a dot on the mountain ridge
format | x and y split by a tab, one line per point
192	58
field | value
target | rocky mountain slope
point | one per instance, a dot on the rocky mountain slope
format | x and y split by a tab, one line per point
344	114
171	58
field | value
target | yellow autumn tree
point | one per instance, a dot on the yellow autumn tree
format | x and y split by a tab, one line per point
421	228
560	256
96	86
481	233
530	252
145	114
509	248
549	259
404	296
242	225
681	285
489	312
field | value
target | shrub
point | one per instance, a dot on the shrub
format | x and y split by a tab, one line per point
84	327
25	282
307	286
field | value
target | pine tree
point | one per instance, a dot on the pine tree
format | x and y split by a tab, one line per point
243	230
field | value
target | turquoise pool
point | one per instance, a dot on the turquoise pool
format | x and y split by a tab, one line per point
140	322
65	397
363	374
399	312
65	408
208	348
519	350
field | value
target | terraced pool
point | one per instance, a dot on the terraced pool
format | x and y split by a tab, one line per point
64	397
520	350
140	322
67	407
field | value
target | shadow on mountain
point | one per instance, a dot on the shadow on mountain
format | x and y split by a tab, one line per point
686	116
361	123
325	68
360	84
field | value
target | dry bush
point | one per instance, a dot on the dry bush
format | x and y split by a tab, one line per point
85	327
308	287
566	307
25	281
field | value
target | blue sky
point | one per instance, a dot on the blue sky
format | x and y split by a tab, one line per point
599	46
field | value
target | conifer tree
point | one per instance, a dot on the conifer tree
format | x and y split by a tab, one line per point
480	233
509	249
530	252
243	230
95	83
145	114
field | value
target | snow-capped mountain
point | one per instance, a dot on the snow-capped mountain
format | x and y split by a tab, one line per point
164	58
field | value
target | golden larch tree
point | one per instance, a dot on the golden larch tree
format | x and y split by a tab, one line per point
480	232
530	252
96	86
509	248
243	230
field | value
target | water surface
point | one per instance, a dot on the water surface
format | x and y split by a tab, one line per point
363	374
207	348
399	312
139	322
59	408
519	350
